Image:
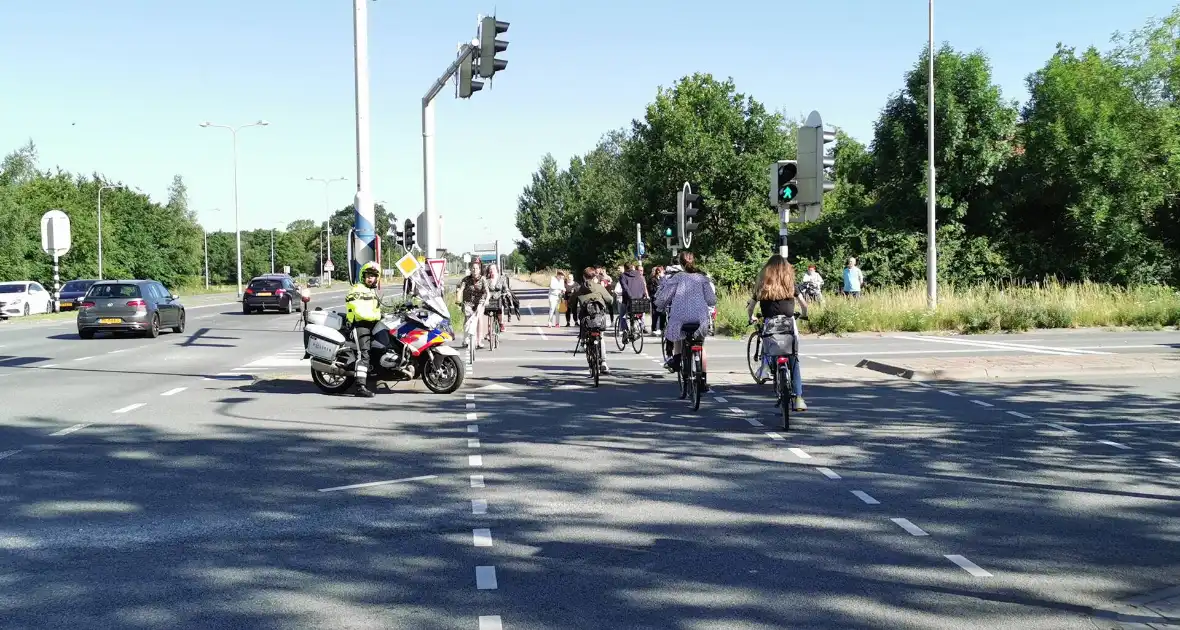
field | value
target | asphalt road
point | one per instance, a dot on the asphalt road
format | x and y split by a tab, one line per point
200	481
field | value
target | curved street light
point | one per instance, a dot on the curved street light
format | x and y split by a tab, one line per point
237	229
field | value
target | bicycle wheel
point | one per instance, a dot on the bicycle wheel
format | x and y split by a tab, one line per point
621	331
637	336
493	333
754	356
682	377
783	381
695	386
592	355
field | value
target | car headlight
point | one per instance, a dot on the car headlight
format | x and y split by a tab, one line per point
16	301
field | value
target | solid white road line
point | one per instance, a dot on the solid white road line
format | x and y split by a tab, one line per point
828	472
476	481
69	430
1168	460
83	358
485	578
479	506
1019	415
542	333
7	454
482	537
473	428
472	442
967	565
46	367
174	391
905	524
864	496
128	408
118	351
1115	444
376	483
475	460
1006	346
490	622
800	453
982	404
719	399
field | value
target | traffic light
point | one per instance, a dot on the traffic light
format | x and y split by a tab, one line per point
688	204
784	186
489	46
468	84
394	234
408	235
668	231
813	165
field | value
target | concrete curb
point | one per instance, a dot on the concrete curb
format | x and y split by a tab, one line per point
1158	610
1145	368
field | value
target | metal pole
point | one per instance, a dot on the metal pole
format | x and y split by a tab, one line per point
327	233
100	189
363	246
237	224
56	284
784	220
931	228
206	233
429	241
272	250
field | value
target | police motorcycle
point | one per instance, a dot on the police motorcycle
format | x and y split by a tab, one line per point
409	343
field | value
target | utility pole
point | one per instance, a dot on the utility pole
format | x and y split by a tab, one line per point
931	225
364	248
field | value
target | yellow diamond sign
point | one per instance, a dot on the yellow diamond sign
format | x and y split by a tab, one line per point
408	265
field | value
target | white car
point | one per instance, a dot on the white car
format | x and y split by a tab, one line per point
24	298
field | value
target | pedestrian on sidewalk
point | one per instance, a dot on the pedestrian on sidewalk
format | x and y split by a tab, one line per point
853	279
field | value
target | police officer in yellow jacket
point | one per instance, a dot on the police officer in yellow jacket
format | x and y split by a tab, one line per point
364	311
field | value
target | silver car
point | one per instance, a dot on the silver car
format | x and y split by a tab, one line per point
140	306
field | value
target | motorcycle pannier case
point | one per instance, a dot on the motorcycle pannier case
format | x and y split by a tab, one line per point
325	318
323	342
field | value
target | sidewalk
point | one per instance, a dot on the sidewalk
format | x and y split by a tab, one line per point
983	368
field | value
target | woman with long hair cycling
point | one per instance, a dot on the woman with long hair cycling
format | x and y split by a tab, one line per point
776	295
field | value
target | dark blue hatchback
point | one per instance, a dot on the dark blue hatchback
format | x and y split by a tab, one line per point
72	293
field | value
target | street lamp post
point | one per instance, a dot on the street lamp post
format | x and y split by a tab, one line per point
206	232
100	189
931	226
237	229
328	213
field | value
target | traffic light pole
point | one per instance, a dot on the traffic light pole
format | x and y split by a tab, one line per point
431	236
784	219
364	237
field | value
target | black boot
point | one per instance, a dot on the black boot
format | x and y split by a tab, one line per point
363	392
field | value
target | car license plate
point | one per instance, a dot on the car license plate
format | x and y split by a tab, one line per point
264	295
67	304
110	320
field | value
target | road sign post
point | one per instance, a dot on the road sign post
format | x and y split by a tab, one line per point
55	241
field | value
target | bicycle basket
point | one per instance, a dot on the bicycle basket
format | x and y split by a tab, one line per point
778	337
639	306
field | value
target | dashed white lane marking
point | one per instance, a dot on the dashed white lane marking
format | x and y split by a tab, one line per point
1060	427
982	404
753	422
948	393
471	416
470	396
967	565
482	537
490	622
485	578
905	524
828	472
864	496
1019	415
774	436
826	360
83	358
475	460
476	481
118	351
542	333
376	483
720	399
1115	444
69	430
800	453
473	428
7	454
841	364
46	367
471	405
479	506
128	408
1168	460
472	442
174	391
736	410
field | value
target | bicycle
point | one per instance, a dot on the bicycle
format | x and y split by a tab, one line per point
493	328
590	334
691	376
470	330
783	349
629	327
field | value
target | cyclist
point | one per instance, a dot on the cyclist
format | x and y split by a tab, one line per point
686	296
473	295
633	288
499	295
776	295
591	291
364	311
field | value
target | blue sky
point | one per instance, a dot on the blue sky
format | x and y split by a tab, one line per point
120	86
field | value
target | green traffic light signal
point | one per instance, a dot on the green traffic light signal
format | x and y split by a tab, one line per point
668	232
789	191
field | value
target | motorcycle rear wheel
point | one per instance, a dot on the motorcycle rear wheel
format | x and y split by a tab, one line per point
331	384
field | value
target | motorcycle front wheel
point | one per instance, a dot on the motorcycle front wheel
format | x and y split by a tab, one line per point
444	379
331	383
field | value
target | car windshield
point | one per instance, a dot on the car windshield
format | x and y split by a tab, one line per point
77	285
114	291
266	285
13	288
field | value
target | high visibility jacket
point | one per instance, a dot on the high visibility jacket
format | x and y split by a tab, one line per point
362	304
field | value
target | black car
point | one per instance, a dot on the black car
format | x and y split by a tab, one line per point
275	291
72	293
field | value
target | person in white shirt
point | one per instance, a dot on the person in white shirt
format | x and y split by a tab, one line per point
556	288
